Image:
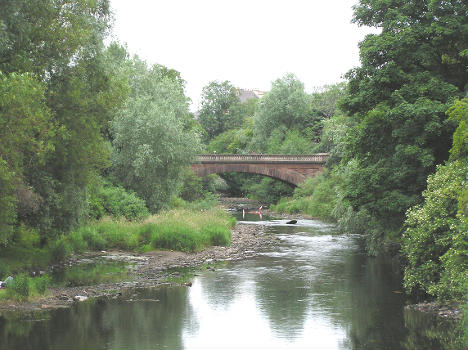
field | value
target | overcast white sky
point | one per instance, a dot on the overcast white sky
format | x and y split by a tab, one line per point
248	42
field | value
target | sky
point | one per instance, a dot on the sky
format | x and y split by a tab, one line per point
251	43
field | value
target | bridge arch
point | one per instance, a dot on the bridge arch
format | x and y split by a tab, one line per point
288	168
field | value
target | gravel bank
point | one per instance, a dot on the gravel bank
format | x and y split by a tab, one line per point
149	269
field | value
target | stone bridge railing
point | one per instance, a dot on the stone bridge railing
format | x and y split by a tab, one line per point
262	158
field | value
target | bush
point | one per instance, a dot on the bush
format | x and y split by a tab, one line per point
117	202
76	241
41	283
61	249
210	201
316	197
26	236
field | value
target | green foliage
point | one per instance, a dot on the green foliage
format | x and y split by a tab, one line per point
24	286
41	283
215	115
436	238
8	202
152	142
115	201
26	237
25	121
20	287
459	113
316	197
191	229
409	76
58	34
285	108
265	189
327	98
192	187
333	138
185	236
25	133
4	271
61	249
288	142
56	96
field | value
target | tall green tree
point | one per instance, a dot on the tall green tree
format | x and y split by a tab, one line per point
43	37
61	44
409	75
215	115
435	241
284	108
153	140
26	133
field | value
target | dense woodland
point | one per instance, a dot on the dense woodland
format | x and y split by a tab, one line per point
87	130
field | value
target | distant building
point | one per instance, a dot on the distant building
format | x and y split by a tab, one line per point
248	94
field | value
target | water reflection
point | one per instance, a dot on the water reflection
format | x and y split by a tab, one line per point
154	322
316	290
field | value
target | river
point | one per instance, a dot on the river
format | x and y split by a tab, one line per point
315	290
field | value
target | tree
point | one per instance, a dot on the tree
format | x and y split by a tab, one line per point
26	132
436	238
286	107
326	99
42	37
409	75
215	115
151	141
60	43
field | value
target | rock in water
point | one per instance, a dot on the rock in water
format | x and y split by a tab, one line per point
80	297
291	222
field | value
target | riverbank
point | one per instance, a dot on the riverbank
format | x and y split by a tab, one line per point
148	270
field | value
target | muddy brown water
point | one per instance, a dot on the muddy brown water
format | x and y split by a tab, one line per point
315	289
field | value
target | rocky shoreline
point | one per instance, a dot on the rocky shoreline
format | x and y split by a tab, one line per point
446	311
148	270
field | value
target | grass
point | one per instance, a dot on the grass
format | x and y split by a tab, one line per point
186	230
183	229
24	287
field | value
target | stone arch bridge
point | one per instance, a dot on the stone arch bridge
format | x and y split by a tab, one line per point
293	169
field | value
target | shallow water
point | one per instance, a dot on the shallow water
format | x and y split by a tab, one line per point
315	290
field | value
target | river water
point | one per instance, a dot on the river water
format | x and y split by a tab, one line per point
315	290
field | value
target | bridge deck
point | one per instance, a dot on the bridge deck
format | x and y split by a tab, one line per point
318	158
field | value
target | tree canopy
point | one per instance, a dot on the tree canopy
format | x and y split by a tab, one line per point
410	74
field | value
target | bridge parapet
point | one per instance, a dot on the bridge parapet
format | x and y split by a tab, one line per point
319	158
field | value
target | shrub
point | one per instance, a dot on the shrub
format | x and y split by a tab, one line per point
26	236
117	202
76	241
61	249
177	202
41	283
20	286
316	197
